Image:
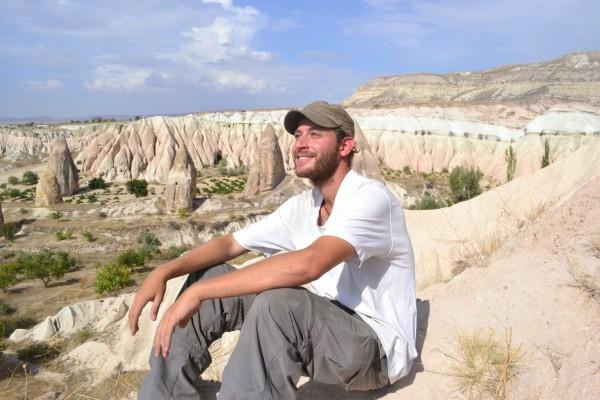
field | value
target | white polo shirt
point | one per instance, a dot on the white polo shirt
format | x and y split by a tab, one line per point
379	283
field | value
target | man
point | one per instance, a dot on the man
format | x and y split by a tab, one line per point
345	240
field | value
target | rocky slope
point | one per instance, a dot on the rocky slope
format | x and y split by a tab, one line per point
573	77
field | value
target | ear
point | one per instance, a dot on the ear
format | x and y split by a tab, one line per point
346	146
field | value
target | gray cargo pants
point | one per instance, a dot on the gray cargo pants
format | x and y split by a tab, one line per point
284	333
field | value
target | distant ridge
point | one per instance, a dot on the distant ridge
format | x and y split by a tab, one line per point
574	77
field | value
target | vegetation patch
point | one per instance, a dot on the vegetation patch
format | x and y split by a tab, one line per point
485	366
112	277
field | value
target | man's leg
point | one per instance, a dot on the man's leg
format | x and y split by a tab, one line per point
290	331
177	376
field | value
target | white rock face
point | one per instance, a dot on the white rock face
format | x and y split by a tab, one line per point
181	183
267	169
566	122
424	139
47	191
61	164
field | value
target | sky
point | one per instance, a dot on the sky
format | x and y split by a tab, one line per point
78	59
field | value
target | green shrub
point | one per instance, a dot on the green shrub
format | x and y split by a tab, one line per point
428	203
8	275
111	277
175	251
511	163
464	183
546	156
406	169
5	309
9	230
91	198
59	235
14	193
38	352
13	180
44	265
150	244
138	187
97	183
87	235
29	178
56	215
131	259
183	212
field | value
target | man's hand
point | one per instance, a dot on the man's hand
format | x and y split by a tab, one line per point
179	313
153	289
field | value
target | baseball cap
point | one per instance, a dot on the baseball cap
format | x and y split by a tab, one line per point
323	114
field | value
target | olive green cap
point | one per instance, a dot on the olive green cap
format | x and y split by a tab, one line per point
323	114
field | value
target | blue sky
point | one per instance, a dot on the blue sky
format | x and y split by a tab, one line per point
72	59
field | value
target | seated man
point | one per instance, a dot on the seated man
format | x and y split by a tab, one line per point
352	324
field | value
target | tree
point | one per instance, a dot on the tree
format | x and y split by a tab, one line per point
8	275
13	180
546	157
511	163
97	183
44	265
138	187
131	259
29	178
464	183
111	277
9	230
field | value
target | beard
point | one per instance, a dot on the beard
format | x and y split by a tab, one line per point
325	165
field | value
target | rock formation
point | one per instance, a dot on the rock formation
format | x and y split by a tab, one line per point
573	77
181	183
267	169
61	164
47	191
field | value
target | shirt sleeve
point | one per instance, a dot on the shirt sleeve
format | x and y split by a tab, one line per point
270	234
366	223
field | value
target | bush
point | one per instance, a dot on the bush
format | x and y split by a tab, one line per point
56	215
175	251
150	244
464	183
546	156
137	187
97	183
44	265
13	180
131	259
183	212
406	169
8	275
511	163
92	198
9	230
9	324
29	178
428	203
87	235
111	277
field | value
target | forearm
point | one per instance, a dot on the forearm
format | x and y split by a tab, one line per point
215	251
283	270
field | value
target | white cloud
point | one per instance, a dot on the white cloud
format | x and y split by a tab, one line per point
235	80
49	84
224	3
118	78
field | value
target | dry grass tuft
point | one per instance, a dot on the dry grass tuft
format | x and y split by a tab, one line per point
586	283
477	254
485	366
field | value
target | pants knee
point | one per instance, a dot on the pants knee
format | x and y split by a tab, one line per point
278	303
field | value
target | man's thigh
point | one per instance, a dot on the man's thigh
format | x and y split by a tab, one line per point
346	351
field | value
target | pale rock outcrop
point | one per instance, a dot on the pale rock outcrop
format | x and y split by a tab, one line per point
573	77
364	161
267	169
47	191
61	164
181	183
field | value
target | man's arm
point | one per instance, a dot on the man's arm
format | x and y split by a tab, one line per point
283	270
215	251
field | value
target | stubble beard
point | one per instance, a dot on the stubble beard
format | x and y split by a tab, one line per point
325	165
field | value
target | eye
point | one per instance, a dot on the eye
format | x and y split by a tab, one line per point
315	133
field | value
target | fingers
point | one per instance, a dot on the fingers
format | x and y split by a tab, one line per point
134	315
156	305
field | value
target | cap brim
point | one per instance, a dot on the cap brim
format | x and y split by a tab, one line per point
293	117
291	120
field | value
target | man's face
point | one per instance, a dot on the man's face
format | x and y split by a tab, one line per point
315	151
